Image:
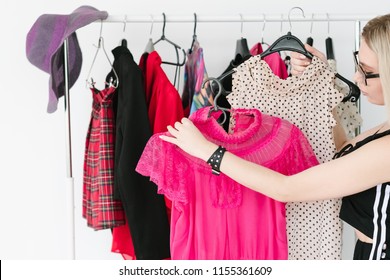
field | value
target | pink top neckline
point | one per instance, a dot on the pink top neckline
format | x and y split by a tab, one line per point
211	124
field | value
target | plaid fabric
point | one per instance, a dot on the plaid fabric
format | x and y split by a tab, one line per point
99	207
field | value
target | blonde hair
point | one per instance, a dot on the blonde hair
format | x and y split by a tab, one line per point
376	34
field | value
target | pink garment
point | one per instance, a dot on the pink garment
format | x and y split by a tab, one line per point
274	61
214	217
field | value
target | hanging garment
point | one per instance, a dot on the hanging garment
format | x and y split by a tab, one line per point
162	98
164	108
214	217
194	97
275	62
144	208
368	211
314	228
347	112
227	85
100	209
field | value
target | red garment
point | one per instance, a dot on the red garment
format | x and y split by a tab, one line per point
164	108
274	61
162	98
99	207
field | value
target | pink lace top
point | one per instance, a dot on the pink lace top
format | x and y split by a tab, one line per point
214	217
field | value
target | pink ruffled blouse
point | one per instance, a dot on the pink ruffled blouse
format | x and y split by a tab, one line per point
214	217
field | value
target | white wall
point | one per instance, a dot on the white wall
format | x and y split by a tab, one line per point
32	142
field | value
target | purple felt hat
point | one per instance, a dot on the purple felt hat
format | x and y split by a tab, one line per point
44	47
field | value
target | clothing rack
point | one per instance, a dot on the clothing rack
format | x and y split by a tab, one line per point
123	19
238	18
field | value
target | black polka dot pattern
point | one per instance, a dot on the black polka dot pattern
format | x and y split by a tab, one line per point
347	112
313	228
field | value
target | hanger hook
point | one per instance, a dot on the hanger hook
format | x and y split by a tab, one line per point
151	27
327	16
312	21
124	24
242	25
100	33
163	30
262	32
289	13
281	24
195	23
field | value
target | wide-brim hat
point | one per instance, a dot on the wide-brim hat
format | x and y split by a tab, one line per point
45	47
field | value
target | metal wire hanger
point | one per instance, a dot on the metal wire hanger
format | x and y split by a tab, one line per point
113	82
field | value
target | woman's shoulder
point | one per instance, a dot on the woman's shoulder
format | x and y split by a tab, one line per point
379	130
368	138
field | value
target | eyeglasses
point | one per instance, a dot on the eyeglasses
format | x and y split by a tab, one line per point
360	69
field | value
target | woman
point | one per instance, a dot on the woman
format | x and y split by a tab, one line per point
365	191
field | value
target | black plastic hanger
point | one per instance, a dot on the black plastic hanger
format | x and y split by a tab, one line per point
124	41
310	39
194	37
287	42
215	84
178	64
291	43
329	48
329	43
242	48
354	91
176	46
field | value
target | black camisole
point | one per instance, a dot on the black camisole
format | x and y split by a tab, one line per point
369	211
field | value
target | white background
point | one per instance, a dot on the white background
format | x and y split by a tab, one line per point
33	203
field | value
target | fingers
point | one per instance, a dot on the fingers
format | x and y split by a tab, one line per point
173	131
174	134
168	139
186	121
176	128
316	53
299	62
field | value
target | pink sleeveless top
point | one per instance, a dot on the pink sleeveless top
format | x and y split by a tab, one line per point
214	217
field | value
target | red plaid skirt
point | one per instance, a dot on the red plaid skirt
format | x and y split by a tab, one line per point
99	207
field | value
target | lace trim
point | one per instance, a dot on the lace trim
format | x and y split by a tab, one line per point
174	171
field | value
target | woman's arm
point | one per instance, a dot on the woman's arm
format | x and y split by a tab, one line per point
355	172
339	135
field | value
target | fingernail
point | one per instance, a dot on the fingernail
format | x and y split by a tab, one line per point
302	56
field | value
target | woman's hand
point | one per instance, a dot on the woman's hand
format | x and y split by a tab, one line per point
299	62
187	136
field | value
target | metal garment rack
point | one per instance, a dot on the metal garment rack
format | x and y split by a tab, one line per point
239	18
123	19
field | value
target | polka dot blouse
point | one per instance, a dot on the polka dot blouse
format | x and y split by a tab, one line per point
313	228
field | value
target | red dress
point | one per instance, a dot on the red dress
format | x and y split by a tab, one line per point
99	207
